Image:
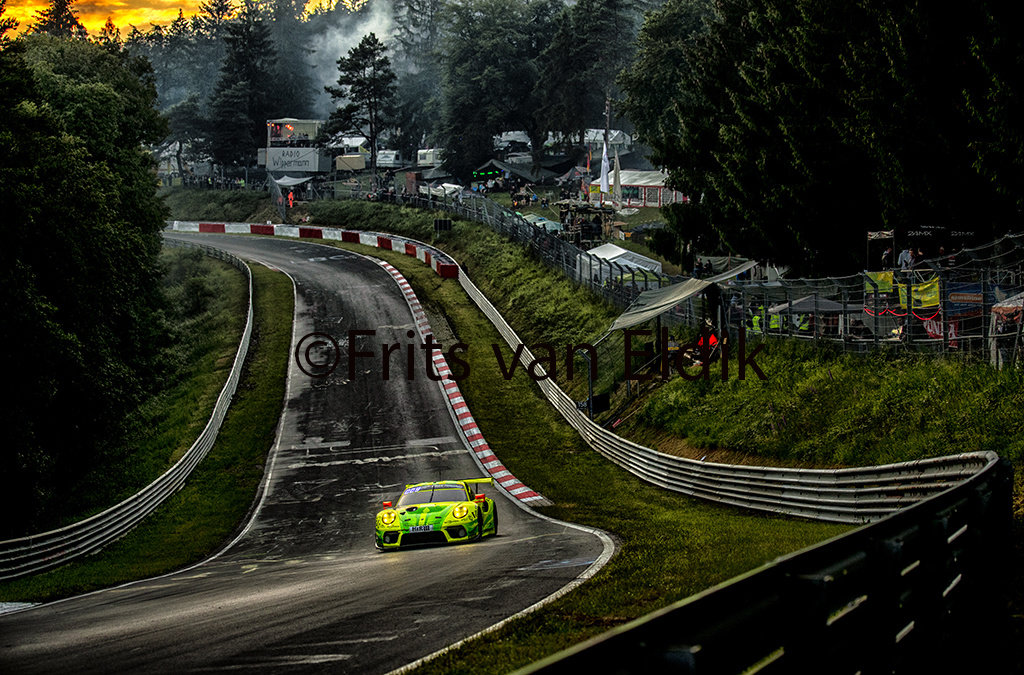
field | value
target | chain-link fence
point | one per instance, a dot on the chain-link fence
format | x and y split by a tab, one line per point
966	302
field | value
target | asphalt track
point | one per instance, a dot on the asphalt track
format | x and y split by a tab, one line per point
303	589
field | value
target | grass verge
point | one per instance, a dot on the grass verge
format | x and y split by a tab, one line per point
671	546
197	519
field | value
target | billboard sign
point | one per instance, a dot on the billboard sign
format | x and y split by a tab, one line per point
293	159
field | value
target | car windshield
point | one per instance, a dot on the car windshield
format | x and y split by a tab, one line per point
425	494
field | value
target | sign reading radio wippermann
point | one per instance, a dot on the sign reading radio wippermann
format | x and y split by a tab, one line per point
293	159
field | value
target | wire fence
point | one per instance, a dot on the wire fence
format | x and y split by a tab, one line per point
968	302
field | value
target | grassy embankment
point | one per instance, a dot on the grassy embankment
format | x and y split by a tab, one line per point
199	518
685	545
817	408
671	546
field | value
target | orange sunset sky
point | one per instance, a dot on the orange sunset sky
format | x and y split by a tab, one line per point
125	13
93	14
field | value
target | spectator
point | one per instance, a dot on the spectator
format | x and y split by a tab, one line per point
906	259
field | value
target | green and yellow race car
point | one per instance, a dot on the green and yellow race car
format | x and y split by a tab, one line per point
441	512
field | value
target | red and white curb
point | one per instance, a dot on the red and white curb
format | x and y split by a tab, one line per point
474	437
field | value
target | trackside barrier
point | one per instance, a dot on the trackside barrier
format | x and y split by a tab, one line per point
853	495
444	266
39	552
910	592
920	591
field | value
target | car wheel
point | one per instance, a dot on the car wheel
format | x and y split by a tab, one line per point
495	533
479	525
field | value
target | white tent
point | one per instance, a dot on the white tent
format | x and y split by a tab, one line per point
604	261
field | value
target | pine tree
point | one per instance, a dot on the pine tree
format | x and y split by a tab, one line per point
245	96
60	20
366	88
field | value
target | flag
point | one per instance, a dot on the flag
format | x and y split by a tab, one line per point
881	234
617	181
604	169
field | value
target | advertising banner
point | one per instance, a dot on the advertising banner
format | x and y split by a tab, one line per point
293	159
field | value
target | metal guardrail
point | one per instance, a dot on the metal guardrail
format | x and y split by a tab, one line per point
39	552
915	590
852	495
922	590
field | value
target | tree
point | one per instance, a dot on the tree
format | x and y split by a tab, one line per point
419	25
366	86
6	24
795	127
110	36
79	278
187	125
245	96
292	72
59	19
594	43
492	77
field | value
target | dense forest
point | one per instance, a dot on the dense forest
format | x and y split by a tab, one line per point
83	328
794	127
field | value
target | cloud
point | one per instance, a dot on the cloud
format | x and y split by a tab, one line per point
328	46
124	13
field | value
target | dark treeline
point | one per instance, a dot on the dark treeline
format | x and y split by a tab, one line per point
465	70
83	331
796	126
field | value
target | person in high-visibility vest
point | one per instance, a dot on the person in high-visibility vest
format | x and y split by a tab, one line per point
755	320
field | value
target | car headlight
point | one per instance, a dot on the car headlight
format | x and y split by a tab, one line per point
460	511
388	517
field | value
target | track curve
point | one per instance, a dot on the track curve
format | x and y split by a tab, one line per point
303	589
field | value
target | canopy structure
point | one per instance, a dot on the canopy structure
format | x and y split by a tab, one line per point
288	181
807	304
625	257
649	304
1010	307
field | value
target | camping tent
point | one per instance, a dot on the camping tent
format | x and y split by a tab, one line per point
643	188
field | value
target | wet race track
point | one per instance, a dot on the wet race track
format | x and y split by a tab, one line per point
303	589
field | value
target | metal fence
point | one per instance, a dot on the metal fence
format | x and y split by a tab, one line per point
43	551
964	302
923	590
916	590
616	283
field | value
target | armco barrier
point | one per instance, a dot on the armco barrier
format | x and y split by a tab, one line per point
921	591
39	552
854	495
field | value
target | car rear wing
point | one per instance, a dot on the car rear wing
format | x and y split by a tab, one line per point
470	481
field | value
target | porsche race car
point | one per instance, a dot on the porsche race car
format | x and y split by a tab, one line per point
440	512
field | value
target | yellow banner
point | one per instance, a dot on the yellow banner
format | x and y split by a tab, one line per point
883	279
923	295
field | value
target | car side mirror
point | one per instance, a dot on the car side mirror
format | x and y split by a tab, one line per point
479	498
387	505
